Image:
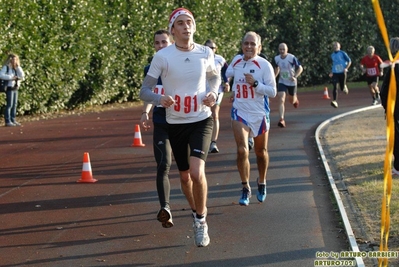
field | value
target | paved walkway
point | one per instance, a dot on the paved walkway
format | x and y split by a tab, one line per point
50	220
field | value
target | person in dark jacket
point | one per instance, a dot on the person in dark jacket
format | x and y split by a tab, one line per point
384	92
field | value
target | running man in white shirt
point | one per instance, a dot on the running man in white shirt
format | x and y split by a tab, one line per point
288	69
185	68
254	83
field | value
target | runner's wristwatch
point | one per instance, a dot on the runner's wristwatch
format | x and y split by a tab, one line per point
255	84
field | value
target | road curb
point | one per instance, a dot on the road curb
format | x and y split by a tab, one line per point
348	228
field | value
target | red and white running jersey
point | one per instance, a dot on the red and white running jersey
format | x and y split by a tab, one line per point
372	65
247	99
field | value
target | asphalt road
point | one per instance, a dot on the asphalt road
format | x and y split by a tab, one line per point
48	219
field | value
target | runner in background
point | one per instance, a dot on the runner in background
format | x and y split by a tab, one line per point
221	66
161	144
288	69
340	65
370	65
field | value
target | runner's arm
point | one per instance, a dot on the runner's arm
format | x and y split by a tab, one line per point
146	93
214	82
268	84
276	71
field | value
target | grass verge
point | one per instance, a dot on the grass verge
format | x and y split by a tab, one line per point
356	147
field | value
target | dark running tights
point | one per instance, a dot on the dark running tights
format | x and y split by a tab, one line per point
163	157
338	78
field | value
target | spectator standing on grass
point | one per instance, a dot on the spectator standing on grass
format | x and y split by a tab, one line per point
394	46
370	65
13	73
161	144
221	66
288	69
340	65
254	83
185	69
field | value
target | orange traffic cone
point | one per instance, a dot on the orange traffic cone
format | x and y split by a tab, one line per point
137	137
325	95
87	176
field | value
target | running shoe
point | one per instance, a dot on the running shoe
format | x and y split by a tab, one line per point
281	123
334	104
395	172
250	143
375	102
213	148
165	217
346	91
245	196
261	193
296	104
193	216
201	237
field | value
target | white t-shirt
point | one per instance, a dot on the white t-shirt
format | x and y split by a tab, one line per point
219	63
184	77
287	67
247	99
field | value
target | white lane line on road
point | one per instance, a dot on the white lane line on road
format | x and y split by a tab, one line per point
348	227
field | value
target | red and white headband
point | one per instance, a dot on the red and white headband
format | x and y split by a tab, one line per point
177	12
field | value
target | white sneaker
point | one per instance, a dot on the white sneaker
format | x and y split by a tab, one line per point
250	143
201	237
334	104
395	172
165	217
213	148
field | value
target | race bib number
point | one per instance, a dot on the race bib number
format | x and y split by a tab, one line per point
339	68
186	104
159	90
371	72
285	75
244	90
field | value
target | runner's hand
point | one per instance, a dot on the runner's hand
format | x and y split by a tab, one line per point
167	101
144	121
226	88
210	99
249	78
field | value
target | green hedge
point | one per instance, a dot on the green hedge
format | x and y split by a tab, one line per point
82	53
